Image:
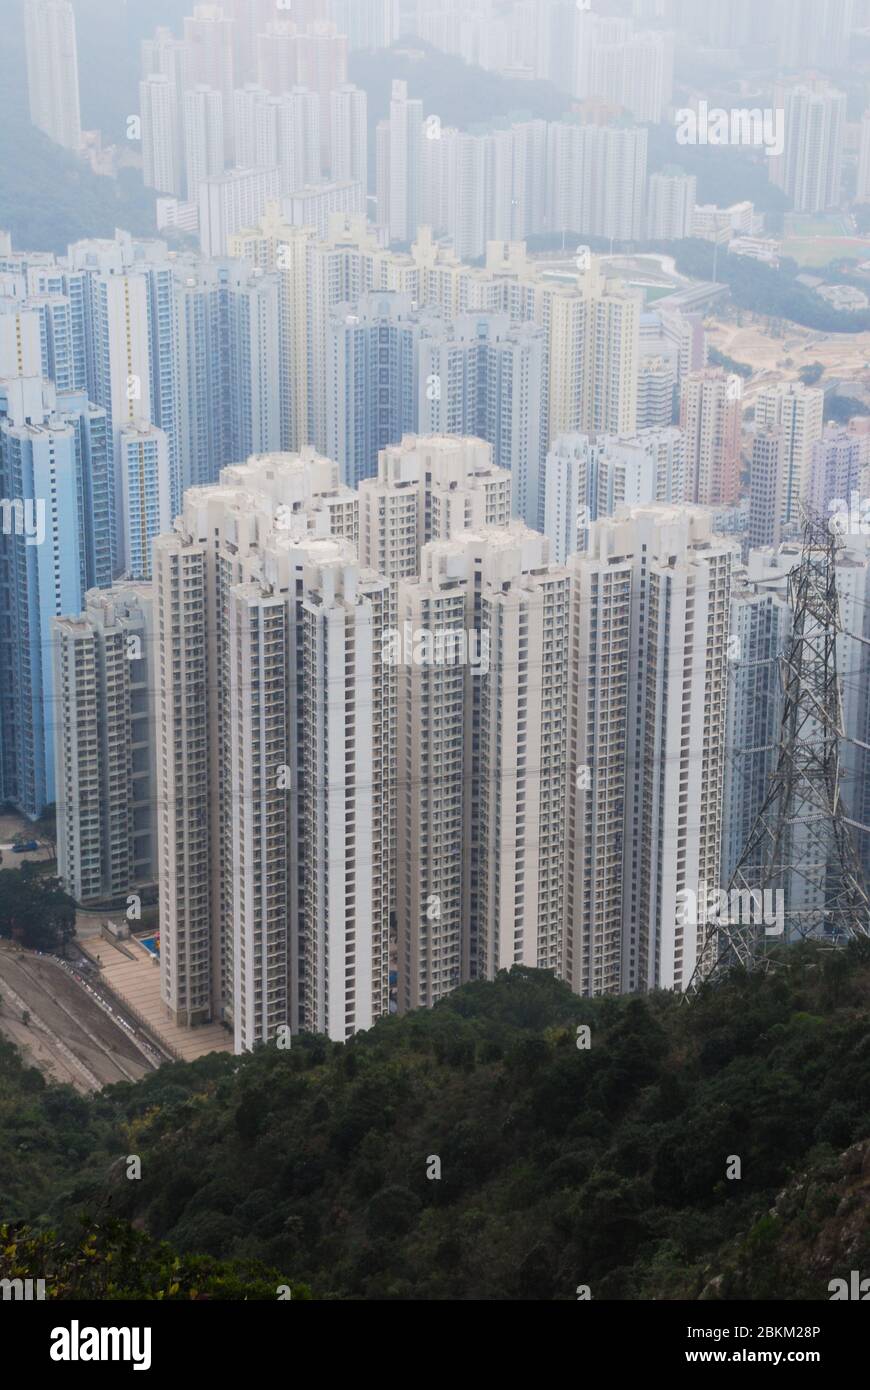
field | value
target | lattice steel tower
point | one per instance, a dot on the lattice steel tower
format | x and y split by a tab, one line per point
801	843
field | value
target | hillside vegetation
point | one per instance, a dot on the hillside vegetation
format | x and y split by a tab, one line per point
48	196
560	1165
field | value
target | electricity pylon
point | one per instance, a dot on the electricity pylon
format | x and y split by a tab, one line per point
800	845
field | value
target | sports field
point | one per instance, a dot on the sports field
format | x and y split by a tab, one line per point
816	240
810	251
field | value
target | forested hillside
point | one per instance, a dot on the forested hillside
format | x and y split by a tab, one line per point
560	1165
48	196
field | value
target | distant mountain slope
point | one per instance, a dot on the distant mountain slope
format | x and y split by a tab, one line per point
109	35
48	197
462	95
610	1166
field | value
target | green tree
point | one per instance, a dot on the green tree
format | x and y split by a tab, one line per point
34	910
811	374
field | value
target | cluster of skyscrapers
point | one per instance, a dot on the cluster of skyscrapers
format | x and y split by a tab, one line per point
251	104
378	611
628	60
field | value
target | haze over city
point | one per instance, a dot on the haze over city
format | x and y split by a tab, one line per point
434	656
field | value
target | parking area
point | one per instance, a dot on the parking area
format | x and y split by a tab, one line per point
14	830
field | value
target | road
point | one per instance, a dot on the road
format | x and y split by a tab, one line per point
70	1035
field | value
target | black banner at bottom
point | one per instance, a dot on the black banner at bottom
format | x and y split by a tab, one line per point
179	1339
